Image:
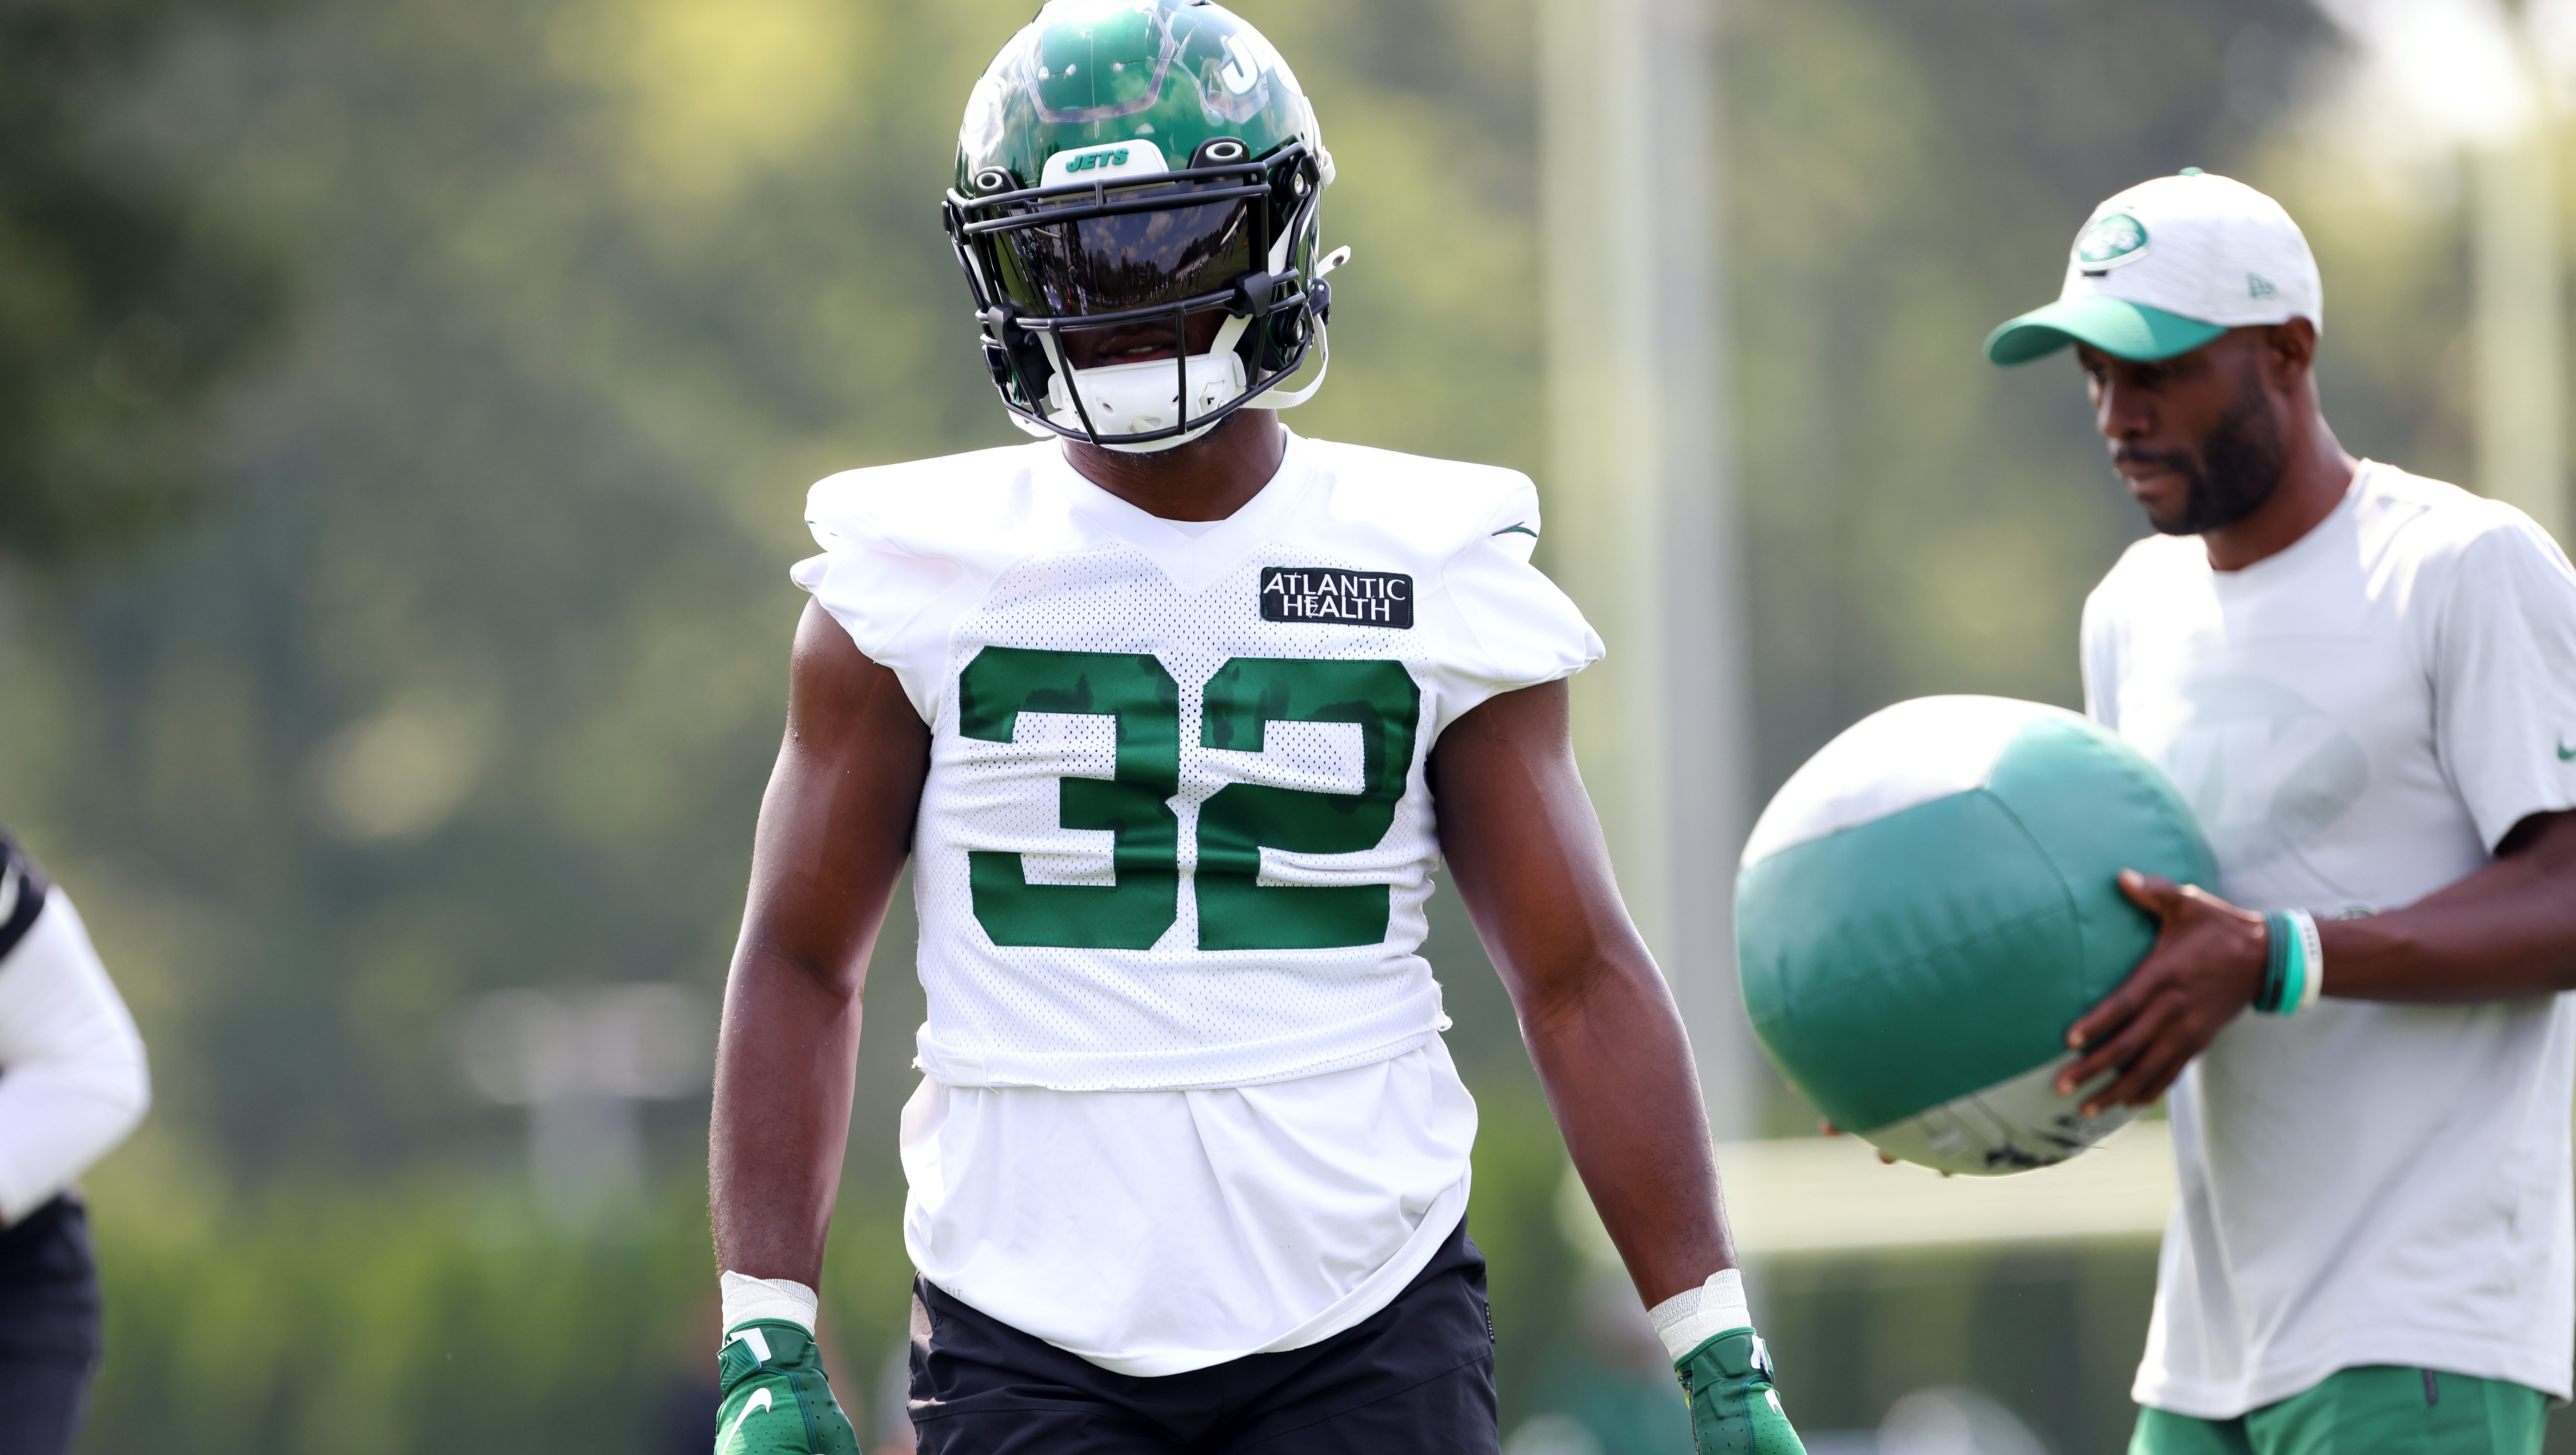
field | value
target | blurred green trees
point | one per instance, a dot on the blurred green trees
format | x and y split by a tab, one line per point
123	299
398	1319
469	674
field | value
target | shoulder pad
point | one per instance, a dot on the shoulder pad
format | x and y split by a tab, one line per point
1443	505
925	507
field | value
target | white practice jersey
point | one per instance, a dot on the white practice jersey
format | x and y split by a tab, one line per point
1177	839
2357	720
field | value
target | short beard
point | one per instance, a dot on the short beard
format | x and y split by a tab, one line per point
2237	467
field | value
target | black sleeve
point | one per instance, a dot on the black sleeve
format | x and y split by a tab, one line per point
23	888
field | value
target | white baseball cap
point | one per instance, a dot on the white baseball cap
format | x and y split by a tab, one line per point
2168	265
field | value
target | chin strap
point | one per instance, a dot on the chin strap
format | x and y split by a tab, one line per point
1228	334
1291	398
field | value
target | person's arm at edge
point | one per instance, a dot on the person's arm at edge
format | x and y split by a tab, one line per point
1524	847
835	827
77	1080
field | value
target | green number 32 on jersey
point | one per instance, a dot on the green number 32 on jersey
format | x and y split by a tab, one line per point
1236	910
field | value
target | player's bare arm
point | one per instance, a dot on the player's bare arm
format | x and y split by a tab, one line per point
1524	848
835	826
1526	853
2507	931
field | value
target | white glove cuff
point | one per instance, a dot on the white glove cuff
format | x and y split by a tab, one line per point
1687	1319
747	1298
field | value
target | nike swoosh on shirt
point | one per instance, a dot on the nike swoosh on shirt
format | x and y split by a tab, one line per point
1517	530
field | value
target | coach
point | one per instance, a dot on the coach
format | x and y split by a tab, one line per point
2365	684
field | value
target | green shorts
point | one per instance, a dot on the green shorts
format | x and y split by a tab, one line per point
2379	1409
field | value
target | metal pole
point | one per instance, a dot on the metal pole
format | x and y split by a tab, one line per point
2521	367
1642	525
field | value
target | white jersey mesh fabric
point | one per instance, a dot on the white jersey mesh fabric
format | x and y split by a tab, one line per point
1176	831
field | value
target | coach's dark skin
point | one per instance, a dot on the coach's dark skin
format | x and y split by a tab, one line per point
2228	442
1517	833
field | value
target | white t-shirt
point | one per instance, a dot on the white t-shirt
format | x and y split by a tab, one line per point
2357	721
1170	866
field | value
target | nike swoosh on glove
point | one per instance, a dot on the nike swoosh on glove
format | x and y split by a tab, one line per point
774	1398
1733	1409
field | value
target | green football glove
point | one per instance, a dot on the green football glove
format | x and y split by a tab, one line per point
774	1398
1733	1410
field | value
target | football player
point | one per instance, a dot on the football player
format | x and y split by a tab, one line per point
72	1084
1173	714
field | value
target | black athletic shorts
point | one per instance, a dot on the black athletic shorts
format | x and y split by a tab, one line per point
49	1328
1414	1378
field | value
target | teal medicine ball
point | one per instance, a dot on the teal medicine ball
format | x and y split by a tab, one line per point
1930	903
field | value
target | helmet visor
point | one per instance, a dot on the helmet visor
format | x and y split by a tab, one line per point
1127	260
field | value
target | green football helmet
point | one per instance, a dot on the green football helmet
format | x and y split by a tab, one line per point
1136	212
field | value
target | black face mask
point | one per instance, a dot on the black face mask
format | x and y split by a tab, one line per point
2237	467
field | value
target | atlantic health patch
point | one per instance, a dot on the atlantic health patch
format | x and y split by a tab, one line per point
1325	595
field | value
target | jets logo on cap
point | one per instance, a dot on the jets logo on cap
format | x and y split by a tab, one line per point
2109	241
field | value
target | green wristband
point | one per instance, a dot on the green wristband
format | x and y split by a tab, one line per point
2286	983
2276	971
